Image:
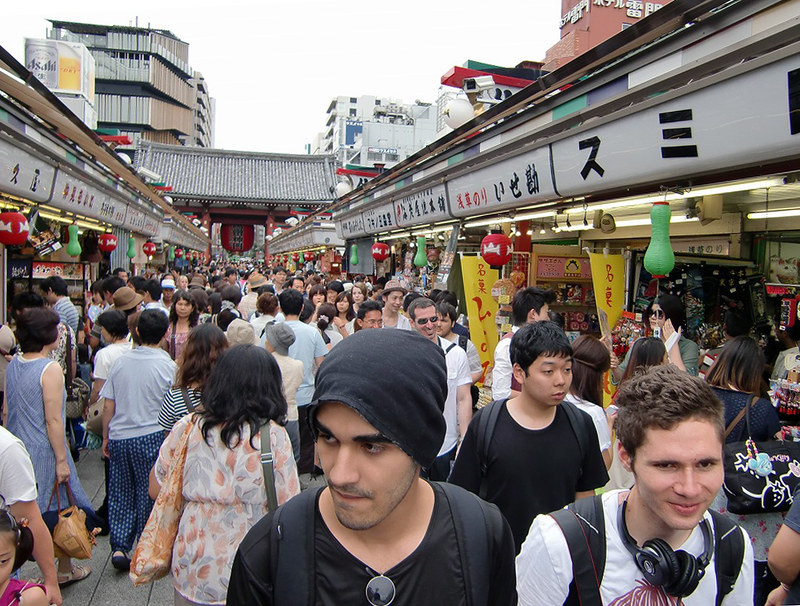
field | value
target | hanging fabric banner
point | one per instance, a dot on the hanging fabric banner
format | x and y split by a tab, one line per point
608	279
481	307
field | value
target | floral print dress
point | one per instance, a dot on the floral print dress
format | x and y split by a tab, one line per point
225	497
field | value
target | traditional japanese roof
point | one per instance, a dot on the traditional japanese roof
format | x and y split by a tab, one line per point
226	176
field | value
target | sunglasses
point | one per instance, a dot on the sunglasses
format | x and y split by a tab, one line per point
380	591
424	321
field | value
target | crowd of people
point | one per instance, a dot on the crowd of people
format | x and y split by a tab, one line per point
393	482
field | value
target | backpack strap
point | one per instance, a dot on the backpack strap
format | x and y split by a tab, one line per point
577	420
487	421
728	553
583	525
475	529
292	557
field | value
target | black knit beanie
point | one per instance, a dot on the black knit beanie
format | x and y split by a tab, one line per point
396	380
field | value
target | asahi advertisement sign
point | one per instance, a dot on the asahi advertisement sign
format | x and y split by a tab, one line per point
61	66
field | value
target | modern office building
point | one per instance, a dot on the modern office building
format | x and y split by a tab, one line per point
144	85
370	131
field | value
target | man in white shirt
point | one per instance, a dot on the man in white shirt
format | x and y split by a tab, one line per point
661	542
458	405
152	296
529	305
393	294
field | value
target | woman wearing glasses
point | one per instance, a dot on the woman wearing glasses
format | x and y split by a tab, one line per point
665	318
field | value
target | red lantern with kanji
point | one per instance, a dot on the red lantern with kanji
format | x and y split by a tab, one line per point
380	251
107	243
237	238
149	248
496	249
285	259
308	255
13	229
195	255
178	253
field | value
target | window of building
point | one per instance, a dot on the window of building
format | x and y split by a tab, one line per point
377	101
352	112
353	100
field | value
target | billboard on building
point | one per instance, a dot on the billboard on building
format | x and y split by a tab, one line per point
63	67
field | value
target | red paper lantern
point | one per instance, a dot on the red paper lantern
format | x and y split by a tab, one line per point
178	253
149	248
13	229
237	238
496	249
107	242
285	259
195	255
308	255
295	257
380	251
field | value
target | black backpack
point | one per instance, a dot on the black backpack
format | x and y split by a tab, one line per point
292	553
487	422
583	526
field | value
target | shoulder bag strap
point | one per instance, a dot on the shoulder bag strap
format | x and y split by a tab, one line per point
576	419
292	554
267	467
747	407
172	342
189	404
735	421
728	554
485	430
68	358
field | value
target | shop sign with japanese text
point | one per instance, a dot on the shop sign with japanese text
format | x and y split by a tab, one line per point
379	219
563	268
426	206
68	271
711	129
351	226
508	184
24	174
77	196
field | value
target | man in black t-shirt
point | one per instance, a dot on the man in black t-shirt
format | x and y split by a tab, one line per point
534	463
378	533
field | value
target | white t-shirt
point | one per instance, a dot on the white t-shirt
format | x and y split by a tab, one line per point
106	357
473	357
501	372
599	419
17	480
457	375
544	568
402	323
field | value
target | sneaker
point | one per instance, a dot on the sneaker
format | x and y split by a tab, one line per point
120	560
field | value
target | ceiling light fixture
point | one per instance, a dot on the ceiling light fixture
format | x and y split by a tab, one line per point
774	214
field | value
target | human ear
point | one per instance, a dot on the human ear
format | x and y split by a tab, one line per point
519	374
624	457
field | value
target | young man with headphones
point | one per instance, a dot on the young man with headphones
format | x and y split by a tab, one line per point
657	543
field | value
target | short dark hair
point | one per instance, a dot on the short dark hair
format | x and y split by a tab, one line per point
419	303
443	308
292	281
367	306
346	296
139	283
231	293
447	296
117	271
307	311
335	285
279	269
113	283
152	326
36	328
538	339
56	284
644	353
663	397
317	289
153	288
25	300
230	272
291	301
115	322
200	297
736	323
409	298
267	304
258	394
528	299
673	310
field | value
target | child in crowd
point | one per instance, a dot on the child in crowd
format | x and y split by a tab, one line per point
16	546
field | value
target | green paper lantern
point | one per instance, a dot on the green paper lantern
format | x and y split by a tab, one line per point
353	255
131	247
659	259
421	258
171	253
74	247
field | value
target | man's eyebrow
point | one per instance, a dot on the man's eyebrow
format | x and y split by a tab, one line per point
373	438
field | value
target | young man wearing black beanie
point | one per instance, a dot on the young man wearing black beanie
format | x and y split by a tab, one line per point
378	530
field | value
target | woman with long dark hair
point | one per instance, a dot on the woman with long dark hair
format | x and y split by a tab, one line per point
590	361
204	346
345	314
737	379
223	482
183	316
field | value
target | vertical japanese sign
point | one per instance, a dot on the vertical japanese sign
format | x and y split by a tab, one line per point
446	264
481	307
608	280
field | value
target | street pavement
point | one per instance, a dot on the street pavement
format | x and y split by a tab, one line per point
106	586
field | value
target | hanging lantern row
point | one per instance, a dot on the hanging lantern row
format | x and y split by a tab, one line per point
380	251
13	229
295	257
308	255
149	248
496	249
178	253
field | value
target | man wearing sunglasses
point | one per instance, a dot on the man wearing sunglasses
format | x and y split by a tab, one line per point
378	534
458	406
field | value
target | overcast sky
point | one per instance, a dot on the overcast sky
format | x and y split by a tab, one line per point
274	65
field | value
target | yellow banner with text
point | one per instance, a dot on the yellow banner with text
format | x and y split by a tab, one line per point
478	279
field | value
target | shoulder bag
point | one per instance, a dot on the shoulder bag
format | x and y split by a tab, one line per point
760	477
77	389
267	467
152	558
71	538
